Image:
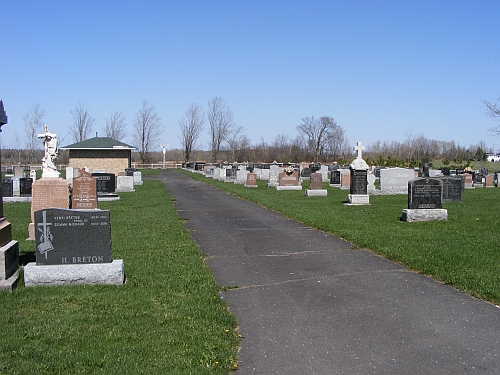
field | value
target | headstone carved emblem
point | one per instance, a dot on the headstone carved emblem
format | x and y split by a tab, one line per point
45	236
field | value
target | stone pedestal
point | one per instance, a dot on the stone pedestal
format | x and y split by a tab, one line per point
47	193
358	199
416	215
316	193
102	273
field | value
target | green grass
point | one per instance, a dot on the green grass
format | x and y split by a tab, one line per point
167	319
463	251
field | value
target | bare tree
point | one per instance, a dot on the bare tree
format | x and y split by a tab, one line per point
317	132
82	123
191	126
33	123
234	139
493	110
221	122
147	127
337	143
115	126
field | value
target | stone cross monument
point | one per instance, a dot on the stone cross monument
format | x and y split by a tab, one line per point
359	171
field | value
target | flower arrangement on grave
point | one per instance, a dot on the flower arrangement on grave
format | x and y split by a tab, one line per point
289	170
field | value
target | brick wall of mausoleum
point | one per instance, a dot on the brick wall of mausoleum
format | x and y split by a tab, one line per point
113	161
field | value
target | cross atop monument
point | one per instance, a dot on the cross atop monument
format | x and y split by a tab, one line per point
359	148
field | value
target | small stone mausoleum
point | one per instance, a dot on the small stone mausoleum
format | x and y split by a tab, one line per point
100	153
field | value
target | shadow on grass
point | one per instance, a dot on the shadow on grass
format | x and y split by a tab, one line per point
27	257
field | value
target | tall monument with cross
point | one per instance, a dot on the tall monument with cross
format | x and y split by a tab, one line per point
51	191
9	249
359	183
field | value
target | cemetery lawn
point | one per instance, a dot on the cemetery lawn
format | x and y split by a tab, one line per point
463	252
168	318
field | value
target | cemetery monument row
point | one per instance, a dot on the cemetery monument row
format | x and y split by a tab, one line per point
9	249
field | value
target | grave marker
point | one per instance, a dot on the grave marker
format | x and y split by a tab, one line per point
106	182
25	187
453	188
65	236
425	197
84	194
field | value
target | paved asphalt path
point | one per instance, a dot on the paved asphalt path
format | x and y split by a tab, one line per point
309	304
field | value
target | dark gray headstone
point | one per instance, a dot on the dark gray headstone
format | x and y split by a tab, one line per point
425	193
65	236
335	177
25	186
7	188
445	171
477	178
199	166
453	187
230	173
106	182
306	172
314	167
359	182
130	171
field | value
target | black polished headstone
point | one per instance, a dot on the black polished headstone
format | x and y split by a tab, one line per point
65	236
335	177
306	172
359	182
25	185
106	182
425	193
477	178
7	188
130	171
314	167
445	171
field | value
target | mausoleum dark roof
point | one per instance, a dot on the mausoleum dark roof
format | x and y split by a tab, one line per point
99	143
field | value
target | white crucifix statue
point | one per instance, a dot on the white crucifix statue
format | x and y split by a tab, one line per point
359	148
49	168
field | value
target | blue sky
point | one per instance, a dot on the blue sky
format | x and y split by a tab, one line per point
382	69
